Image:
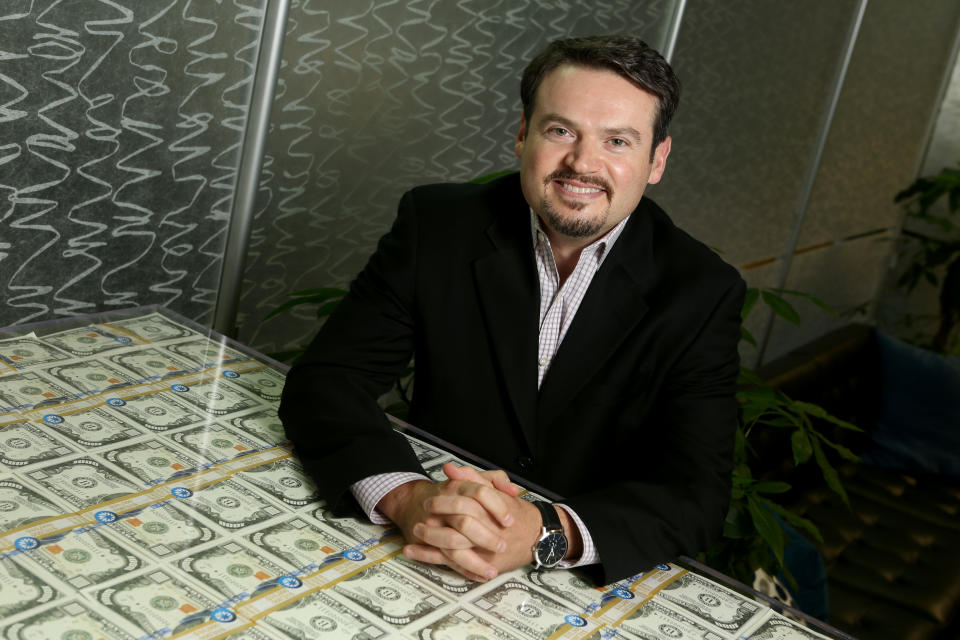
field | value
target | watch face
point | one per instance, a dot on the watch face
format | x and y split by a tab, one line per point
551	549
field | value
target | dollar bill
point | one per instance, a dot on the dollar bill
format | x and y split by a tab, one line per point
25	352
152	461
20	589
82	482
215	396
569	586
358	529
23	443
446	579
206	353
654	621
285	480
529	612
88	341
30	389
461	624
232	569
150	328
264	425
69	621
320	615
710	602
299	543
83	559
158	412
231	505
215	442
390	595
434	469
151	363
265	383
157	603
20	505
163	529
253	633
90	376
425	453
776	627
93	427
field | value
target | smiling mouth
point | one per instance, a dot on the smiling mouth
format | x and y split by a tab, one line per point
573	189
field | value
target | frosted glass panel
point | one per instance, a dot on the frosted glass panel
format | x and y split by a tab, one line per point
121	129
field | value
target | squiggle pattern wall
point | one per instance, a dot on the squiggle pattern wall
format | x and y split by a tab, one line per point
121	124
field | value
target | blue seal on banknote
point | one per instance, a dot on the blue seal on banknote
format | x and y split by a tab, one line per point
227	373
625	594
353	554
52	418
223	615
180	388
26	543
663	566
115	402
181	492
105	517
575	621
290	582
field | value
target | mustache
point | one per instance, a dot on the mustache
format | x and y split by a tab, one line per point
594	181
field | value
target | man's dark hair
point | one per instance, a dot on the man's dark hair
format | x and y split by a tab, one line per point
628	57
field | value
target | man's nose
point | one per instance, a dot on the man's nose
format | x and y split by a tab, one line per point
583	157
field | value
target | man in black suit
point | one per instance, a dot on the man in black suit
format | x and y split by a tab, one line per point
563	328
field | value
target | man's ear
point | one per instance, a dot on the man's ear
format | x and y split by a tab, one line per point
521	137
659	163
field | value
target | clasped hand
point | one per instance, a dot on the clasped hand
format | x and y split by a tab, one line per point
474	522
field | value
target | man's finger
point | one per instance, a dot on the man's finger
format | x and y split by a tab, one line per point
460	532
432	555
496	478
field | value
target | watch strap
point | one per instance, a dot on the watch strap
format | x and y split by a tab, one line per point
551	520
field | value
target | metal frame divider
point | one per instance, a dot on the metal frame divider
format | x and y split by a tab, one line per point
251	163
813	167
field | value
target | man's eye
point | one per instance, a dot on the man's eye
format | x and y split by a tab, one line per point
618	142
560	131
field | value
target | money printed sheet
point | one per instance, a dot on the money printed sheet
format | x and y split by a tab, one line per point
147	491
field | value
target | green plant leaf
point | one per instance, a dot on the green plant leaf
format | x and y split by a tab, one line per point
812	298
771	486
749	301
491	176
845	453
819	412
829	473
749	376
795	520
780	307
327	308
767	526
802	449
747	337
307	296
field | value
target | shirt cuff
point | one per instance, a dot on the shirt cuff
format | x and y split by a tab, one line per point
371	490
590	554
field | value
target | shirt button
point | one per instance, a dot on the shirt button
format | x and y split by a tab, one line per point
525	462
544	362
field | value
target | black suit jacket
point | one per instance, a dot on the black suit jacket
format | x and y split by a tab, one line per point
634	421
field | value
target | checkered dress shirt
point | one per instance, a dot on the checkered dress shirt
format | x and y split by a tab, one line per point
558	306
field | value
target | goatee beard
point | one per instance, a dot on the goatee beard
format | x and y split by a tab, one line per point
574	227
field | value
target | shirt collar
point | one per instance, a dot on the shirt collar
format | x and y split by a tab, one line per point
600	246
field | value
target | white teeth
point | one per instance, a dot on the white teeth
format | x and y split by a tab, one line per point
573	189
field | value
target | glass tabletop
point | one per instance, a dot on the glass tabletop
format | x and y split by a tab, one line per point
147	490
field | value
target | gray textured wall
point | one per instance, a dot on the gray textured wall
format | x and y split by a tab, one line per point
120	131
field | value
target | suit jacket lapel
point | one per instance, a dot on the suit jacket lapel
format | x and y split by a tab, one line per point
509	294
613	306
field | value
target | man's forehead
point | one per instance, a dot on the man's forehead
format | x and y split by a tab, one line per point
618	81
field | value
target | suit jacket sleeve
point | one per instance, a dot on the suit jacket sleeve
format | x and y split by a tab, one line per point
329	406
